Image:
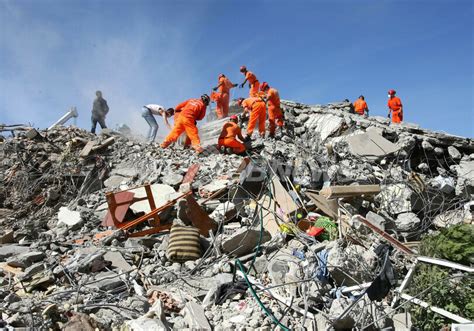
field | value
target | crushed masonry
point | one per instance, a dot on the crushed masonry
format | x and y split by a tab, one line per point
319	228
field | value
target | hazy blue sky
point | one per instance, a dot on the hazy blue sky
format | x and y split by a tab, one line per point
55	54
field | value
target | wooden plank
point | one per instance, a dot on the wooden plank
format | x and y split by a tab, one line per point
328	207
349	191
87	149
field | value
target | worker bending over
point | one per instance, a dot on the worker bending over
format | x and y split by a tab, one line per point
256	107
254	84
395	107
275	115
148	113
187	115
360	106
222	97
231	131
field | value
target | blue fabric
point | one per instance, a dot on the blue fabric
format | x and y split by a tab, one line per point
321	271
150	119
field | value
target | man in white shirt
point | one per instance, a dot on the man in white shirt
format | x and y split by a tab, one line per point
148	113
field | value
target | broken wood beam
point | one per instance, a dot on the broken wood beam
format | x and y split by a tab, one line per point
349	191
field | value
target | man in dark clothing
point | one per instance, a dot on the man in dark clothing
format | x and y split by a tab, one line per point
99	110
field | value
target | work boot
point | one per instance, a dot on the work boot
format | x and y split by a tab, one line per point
229	150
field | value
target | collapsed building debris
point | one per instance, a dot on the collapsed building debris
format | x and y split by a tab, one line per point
318	229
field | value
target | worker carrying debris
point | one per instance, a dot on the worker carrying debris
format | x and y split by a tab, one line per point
187	114
395	107
227	139
250	77
222	97
99	111
275	115
148	113
256	107
360	106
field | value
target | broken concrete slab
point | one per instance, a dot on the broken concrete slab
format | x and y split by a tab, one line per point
70	218
244	241
325	125
25	260
376	220
398	198
407	222
11	250
195	317
118	261
370	145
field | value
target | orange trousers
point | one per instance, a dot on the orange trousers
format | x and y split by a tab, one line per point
258	113
237	146
275	118
397	116
254	88
222	105
184	124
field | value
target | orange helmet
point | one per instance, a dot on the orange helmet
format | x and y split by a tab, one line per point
392	92
243	68
264	86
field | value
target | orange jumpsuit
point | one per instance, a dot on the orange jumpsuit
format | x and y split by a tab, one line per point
395	106
275	115
222	98
256	107
230	131
254	83
190	111
360	106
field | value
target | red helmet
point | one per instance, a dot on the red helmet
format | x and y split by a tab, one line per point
243	68
221	75
234	117
391	92
264	86
239	101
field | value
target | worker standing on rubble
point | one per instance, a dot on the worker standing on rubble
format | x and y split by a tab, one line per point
360	106
99	111
188	113
148	113
275	115
254	84
227	139
222	97
395	107
256	107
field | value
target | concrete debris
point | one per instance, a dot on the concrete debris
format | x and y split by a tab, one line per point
286	219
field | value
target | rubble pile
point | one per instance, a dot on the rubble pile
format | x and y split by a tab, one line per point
316	229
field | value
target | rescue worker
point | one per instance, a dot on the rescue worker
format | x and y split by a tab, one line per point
227	139
395	107
256	107
187	114
99	111
254	84
222	98
148	113
275	115
360	106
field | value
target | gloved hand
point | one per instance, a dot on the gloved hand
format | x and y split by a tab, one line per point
242	85
388	115
235	85
214	89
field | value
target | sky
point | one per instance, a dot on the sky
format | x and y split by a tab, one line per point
55	54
